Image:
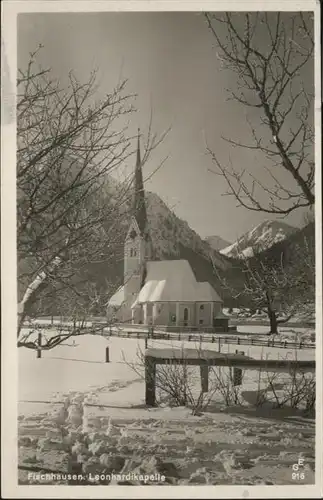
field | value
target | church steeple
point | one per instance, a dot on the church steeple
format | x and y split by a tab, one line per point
139	206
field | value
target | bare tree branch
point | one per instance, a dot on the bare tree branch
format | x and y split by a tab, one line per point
269	53
72	214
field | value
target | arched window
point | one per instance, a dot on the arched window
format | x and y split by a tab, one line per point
202	307
185	314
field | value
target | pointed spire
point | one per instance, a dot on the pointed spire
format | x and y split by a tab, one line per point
139	207
138	162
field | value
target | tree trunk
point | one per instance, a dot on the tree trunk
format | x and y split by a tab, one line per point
21	318
273	321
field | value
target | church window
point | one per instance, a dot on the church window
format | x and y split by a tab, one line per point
185	314
201	321
202	307
173	318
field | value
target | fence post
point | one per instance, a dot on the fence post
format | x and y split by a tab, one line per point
107	355
204	372
146	343
150	380
39	346
237	372
219	344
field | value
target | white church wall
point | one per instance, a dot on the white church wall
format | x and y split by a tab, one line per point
203	314
172	314
163	313
137	315
190	315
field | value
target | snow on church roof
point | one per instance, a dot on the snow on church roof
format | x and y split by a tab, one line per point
117	298
169	281
206	290
174	281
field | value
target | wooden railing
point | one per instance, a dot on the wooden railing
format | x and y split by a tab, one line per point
206	359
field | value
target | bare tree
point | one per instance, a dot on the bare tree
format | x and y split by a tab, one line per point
281	288
270	52
71	213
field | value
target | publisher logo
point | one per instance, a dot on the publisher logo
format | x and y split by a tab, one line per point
299	470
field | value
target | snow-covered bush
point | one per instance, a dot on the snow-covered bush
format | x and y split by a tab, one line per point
224	384
176	385
295	389
298	391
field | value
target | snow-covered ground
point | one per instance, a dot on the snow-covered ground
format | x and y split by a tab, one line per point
76	409
245	314
306	335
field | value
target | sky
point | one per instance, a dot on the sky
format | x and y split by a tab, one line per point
171	64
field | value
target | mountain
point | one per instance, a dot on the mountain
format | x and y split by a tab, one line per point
263	236
170	235
217	243
293	246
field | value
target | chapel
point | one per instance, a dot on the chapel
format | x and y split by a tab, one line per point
163	293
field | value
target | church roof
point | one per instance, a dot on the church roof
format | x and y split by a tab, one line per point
169	281
207	293
117	298
174	281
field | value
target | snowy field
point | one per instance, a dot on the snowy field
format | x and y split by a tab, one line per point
77	412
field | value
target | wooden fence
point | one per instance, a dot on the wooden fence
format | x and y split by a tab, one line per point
236	340
100	329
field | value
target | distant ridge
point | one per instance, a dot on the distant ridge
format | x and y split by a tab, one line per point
261	237
217	243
